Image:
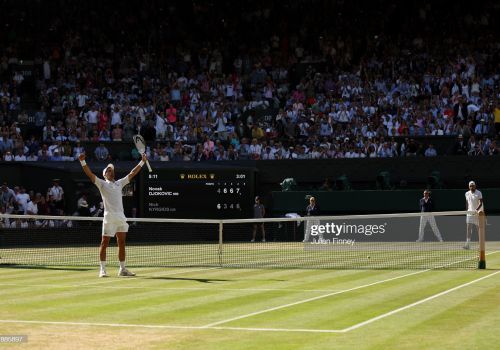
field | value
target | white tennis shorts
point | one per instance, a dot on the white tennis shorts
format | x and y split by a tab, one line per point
472	219
109	229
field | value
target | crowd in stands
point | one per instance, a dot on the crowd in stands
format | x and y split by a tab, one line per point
251	80
18	200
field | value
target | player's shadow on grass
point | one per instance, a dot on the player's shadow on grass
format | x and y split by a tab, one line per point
56	268
201	280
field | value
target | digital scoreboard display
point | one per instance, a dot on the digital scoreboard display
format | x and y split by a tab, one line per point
198	193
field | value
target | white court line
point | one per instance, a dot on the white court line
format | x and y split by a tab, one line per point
251	329
310	299
387	314
92	324
170	288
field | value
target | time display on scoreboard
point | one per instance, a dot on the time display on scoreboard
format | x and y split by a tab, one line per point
198	193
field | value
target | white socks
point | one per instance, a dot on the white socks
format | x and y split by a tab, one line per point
103	265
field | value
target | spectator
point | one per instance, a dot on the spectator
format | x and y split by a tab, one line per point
104	135
164	156
220	126
49	131
116	118
32	205
82	206
476	150
386	151
92	116
43	206
19	224
117	133
481	128
40	119
55	197
32	157
412	148
22	199
171	113
56	156
460	147
267	154
20	157
492	149
77	150
255	150
430	151
128	129
67	151
8	157
44	155
7	197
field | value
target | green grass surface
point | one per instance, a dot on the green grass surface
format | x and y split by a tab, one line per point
167	308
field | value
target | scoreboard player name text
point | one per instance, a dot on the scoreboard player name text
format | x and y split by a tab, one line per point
158	191
155	207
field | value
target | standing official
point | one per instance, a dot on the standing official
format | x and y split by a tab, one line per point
311	210
258	213
427	206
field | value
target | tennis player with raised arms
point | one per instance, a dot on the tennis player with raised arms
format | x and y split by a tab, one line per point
115	222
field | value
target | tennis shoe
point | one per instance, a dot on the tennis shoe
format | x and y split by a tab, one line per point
263	240
467	246
125	272
252	241
103	273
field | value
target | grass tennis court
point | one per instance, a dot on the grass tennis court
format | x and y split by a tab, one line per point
224	308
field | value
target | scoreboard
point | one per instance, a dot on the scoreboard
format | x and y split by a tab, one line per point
203	193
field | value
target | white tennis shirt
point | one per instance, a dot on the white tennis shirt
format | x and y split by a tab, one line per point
111	193
473	200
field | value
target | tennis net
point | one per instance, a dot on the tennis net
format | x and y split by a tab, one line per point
382	241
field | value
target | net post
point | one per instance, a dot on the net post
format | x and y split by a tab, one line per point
221	223
482	241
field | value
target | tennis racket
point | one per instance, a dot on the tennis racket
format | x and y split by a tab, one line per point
140	144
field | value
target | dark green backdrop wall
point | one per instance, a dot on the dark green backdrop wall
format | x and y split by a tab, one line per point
455	171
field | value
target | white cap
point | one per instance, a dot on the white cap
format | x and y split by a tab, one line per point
107	166
472	183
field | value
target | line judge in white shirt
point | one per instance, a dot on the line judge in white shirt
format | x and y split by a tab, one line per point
114	218
474	202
